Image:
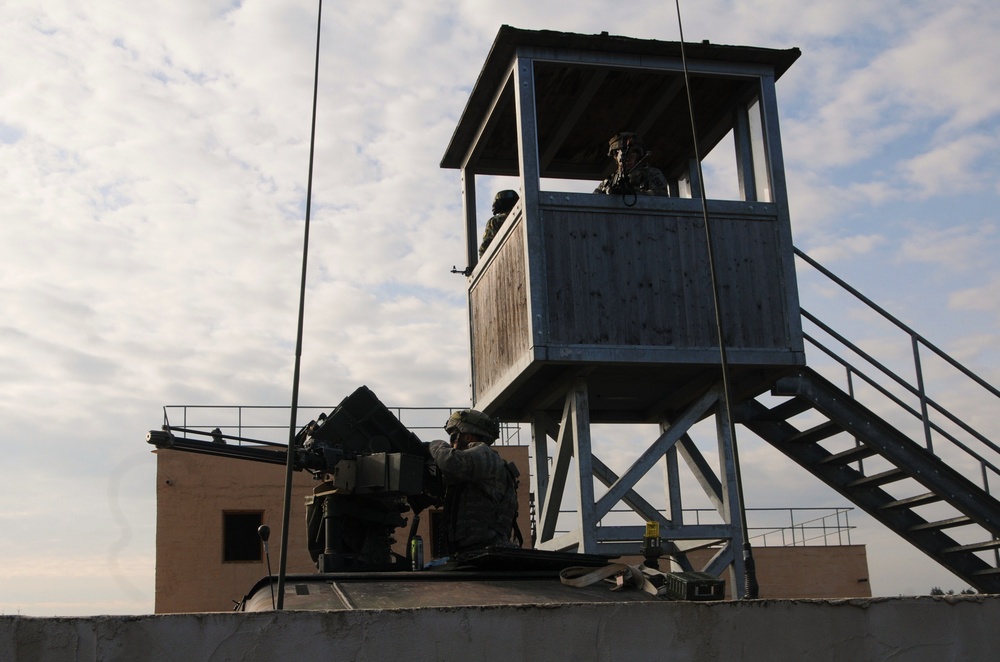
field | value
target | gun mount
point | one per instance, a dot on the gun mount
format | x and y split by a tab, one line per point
372	470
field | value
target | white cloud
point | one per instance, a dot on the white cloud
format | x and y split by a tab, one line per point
953	167
905	85
842	248
976	298
961	247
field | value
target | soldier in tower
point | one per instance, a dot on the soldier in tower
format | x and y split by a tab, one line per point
633	175
503	202
480	505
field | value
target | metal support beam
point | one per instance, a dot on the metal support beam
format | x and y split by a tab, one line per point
586	534
732	512
552	498
653	454
586	516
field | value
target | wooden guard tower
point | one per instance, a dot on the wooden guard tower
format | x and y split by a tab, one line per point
590	308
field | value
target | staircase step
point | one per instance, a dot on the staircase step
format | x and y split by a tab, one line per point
987	571
974	547
884	478
942	524
911	502
816	434
848	456
787	410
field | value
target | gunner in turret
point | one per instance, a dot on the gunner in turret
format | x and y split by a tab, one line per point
480	505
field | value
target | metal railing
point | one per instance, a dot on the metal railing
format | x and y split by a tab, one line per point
931	414
269	423
825	527
801	527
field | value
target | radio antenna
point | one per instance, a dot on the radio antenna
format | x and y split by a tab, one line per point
289	464
751	588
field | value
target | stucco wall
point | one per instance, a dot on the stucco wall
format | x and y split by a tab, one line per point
912	629
192	492
809	571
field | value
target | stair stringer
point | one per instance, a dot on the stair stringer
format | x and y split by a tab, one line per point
877	437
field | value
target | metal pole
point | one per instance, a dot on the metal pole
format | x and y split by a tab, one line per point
289	464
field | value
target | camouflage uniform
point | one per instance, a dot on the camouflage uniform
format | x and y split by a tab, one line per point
492	226
641	179
503	202
644	180
481	498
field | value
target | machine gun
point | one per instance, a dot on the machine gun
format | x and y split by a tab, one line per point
621	181
371	469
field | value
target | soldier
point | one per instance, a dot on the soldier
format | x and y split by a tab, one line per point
503	202
632	175
480	504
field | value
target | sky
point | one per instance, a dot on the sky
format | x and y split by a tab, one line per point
153	173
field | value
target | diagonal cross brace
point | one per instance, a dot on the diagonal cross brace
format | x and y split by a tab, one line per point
652	455
557	482
643	508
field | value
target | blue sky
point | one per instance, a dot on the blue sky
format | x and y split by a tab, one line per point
153	160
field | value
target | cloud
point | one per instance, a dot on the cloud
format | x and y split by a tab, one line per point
842	248
954	167
869	101
959	248
976	298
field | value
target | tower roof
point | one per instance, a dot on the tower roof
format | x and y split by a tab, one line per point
589	87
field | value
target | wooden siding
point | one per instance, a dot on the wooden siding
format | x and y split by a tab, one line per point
499	310
634	279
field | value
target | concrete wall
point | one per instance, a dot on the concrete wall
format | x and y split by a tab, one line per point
912	629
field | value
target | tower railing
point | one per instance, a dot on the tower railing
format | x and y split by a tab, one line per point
269	423
779	527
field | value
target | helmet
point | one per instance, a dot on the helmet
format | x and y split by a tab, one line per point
504	201
626	142
474	422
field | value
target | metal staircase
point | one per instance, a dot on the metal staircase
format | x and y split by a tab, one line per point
923	493
870	437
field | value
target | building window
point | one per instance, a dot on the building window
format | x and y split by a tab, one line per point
240	541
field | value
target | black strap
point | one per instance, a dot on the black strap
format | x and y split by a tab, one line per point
513	472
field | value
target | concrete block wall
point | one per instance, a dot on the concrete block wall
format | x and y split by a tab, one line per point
913	629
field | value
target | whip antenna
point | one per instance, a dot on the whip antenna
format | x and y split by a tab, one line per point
283	550
751	588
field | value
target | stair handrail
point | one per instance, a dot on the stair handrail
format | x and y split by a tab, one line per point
985	464
941	409
918	391
887	315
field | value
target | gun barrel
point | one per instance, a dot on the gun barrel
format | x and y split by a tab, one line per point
274	454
